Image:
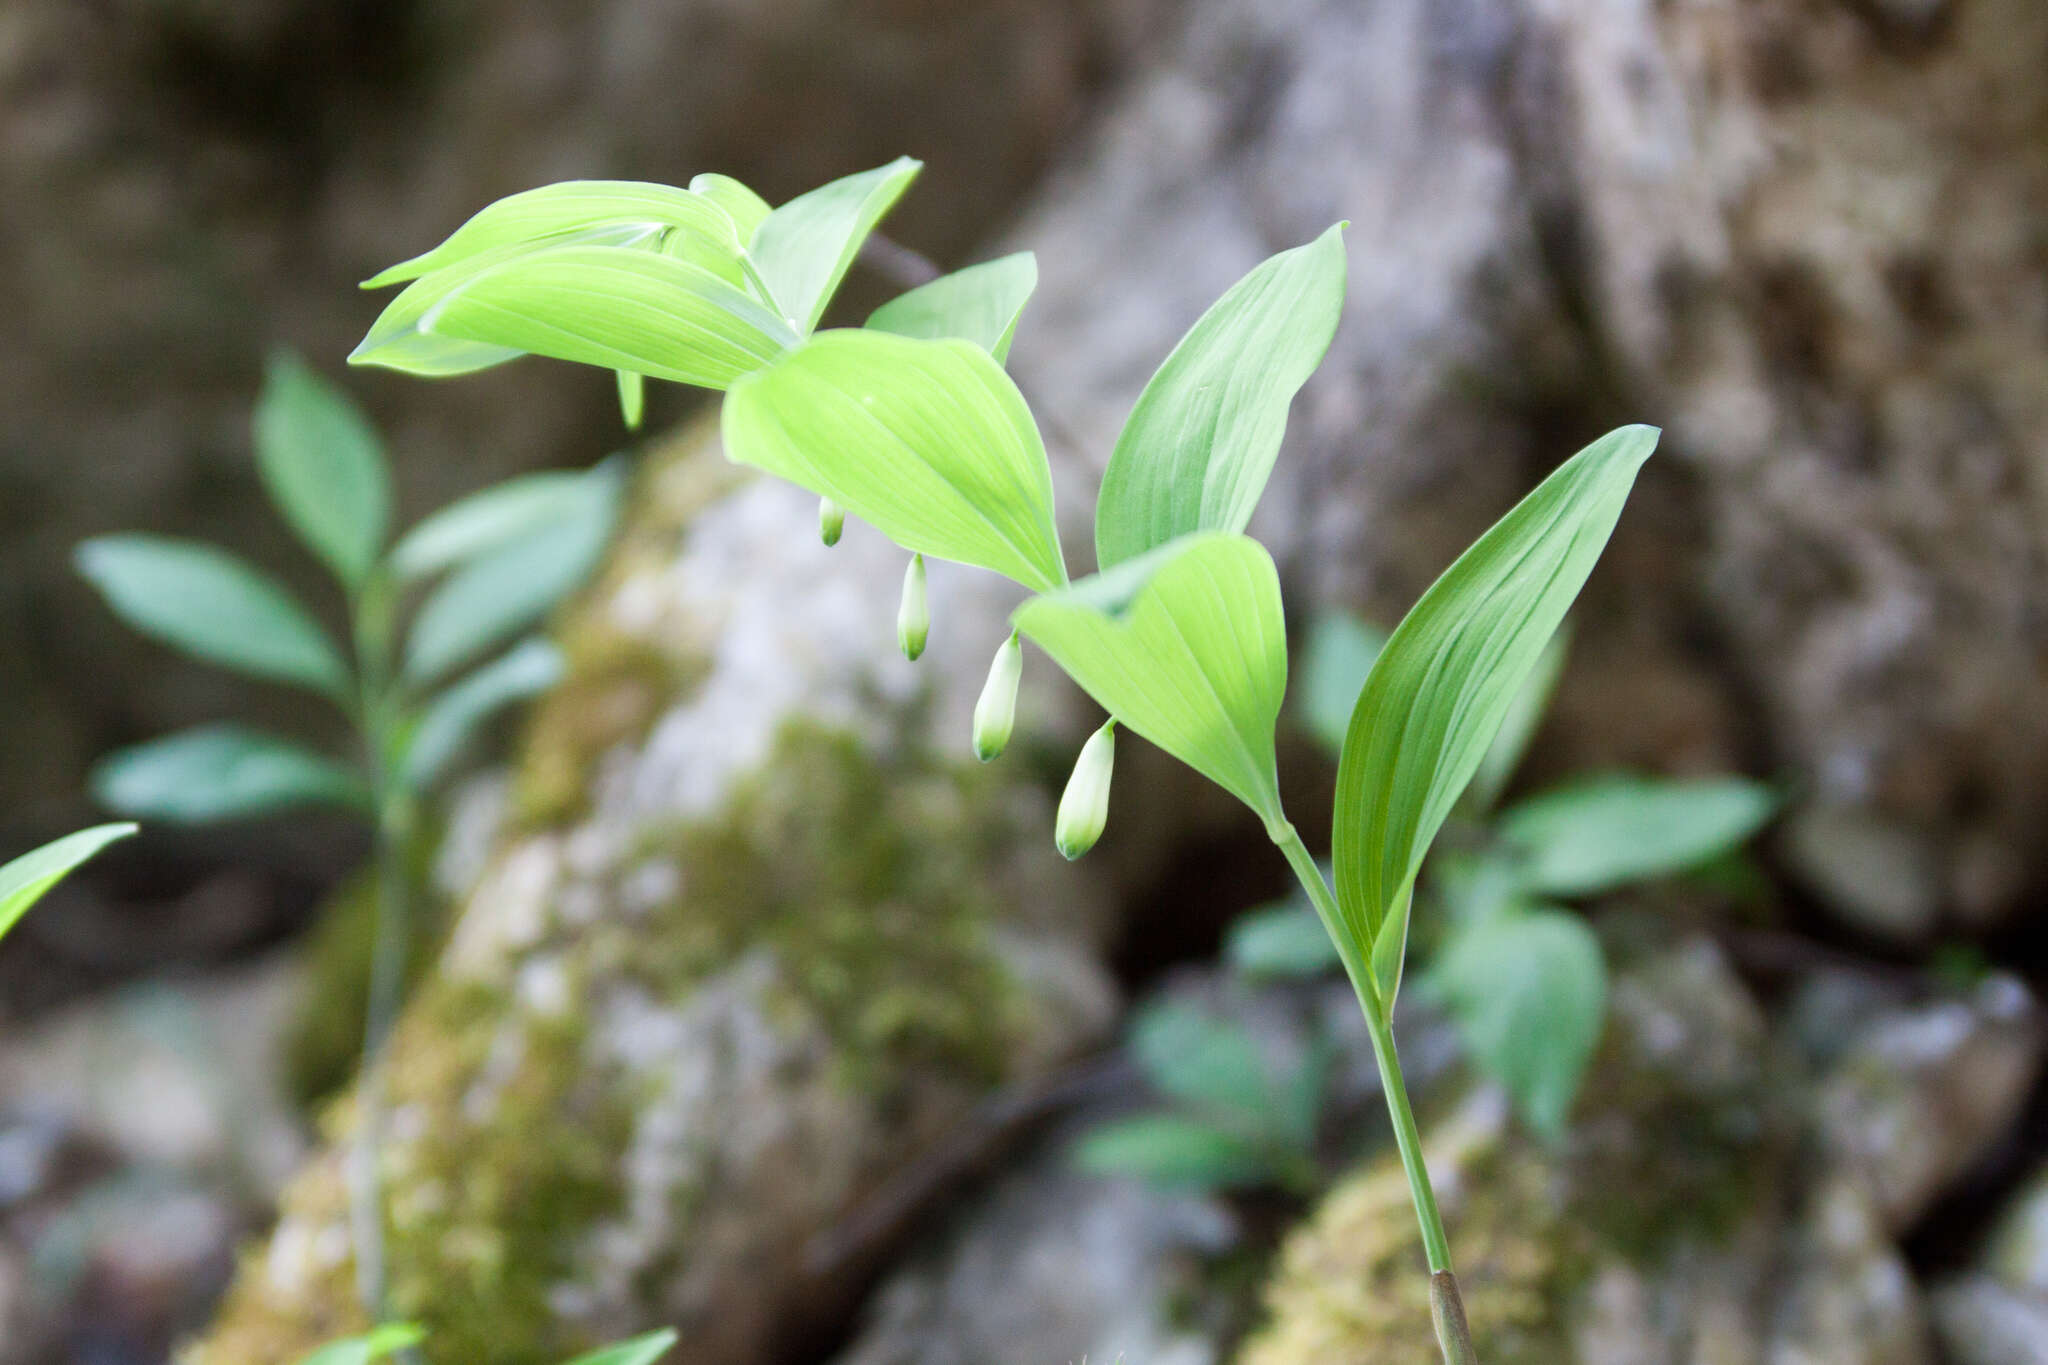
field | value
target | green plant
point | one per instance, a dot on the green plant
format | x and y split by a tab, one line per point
398	1339
1180	633
483	571
26	879
1523	977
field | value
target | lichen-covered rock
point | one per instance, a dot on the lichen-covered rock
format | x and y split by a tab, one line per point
758	932
1687	1217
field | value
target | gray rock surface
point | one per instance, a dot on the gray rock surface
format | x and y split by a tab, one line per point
1997	1313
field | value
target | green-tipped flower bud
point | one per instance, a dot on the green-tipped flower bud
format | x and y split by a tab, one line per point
996	712
831	521
1084	805
914	617
632	398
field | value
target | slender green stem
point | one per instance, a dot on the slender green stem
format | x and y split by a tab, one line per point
1447	1310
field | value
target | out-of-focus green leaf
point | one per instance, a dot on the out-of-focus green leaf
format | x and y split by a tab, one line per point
1187	646
617	309
1206	1061
526	671
1334	664
1594	836
1200	444
1518	727
324	468
803	248
927	441
1172	1152
1528	990
507	589
1285	940
980	304
567	209
746	208
210	604
641	1350
485	520
222	772
1448	676
24	880
385	1341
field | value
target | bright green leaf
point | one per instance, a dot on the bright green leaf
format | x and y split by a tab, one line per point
1594	836
556	212
324	468
210	604
1528	991
927	441
526	671
1201	442
1518	727
385	1341
222	772
24	880
1285	940
1334	664
1188	647
746	208
803	248
1449	675
485	520
1170	1151
507	589
641	1350
616	308
980	304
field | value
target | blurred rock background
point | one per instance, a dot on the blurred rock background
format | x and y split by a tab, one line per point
1808	239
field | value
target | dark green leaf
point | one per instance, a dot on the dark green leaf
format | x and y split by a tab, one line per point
1528	990
324	468
1187	646
528	670
1594	836
1172	1152
980	304
207	603
802	249
1334	664
24	880
1447	678
222	772
1200	444
927	441
507	589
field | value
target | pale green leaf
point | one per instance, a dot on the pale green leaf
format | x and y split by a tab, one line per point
528	670
746	208
556	212
1285	940
379	1344
927	441
210	604
1528	991
222	772
1334	665
1450	672
485	520
507	589
1594	836
1201	442
802	249
1519	726
1170	1151
324	468
24	880
1200	1059
1187	646
980	304
641	1350
617	308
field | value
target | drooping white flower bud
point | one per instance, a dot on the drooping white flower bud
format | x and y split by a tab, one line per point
831	521
996	712
914	617
1084	805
